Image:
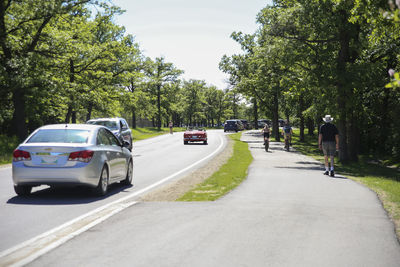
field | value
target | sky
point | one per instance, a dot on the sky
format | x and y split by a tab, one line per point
191	34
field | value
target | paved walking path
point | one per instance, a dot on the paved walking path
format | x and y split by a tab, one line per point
286	213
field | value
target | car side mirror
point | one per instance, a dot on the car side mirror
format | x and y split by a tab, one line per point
125	144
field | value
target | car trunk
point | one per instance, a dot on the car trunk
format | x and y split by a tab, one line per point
54	155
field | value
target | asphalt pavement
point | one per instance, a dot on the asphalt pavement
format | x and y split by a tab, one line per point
286	213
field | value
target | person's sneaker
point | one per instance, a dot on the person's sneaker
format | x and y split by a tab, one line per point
332	174
326	173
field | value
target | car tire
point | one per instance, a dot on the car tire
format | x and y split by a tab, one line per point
205	142
129	174
102	186
22	190
185	142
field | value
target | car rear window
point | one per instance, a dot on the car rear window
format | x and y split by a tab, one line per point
109	124
60	136
231	122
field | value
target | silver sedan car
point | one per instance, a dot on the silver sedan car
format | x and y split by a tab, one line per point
71	154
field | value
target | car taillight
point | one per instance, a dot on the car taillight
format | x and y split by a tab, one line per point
19	155
83	156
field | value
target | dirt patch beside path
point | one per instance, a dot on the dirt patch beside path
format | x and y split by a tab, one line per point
176	189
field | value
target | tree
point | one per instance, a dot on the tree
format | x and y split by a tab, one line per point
23	43
161	73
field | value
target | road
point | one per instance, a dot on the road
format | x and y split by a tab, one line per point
286	213
154	160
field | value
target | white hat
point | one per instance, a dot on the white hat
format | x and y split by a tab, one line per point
327	118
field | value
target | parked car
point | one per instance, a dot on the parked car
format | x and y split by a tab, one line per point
262	122
233	125
195	135
71	154
118	126
246	124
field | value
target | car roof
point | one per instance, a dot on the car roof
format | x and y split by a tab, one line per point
72	126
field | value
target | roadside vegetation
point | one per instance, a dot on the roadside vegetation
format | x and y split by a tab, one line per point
384	180
230	175
7	146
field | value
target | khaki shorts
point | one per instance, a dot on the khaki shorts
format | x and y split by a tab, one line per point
329	148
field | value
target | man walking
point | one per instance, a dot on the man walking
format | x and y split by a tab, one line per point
328	141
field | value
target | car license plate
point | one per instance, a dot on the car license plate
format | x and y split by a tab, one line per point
194	136
49	160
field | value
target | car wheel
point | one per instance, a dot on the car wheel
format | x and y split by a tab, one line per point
205	142
129	174
102	187
22	190
185	142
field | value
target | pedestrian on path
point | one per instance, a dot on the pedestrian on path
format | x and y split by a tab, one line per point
328	140
170	127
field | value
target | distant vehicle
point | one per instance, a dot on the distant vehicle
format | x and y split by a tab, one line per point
71	154
118	126
262	122
195	135
233	125
246	124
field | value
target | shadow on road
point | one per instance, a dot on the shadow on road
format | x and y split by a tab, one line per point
65	196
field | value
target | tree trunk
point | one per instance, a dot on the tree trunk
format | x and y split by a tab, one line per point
275	114
342	97
301	109
255	112
310	126
353	138
89	111
73	117
134	118
69	113
159	106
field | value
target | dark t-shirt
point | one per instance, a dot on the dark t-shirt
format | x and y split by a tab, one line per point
328	131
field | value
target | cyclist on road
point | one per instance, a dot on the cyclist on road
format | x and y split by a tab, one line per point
287	132
266	132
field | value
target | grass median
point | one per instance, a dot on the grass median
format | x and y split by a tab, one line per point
230	175
384	180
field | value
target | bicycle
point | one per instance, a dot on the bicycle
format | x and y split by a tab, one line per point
266	144
287	144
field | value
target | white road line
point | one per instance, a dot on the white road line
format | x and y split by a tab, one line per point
31	249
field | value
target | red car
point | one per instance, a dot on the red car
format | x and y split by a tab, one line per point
195	135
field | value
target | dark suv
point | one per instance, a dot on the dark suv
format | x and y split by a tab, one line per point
233	125
118	126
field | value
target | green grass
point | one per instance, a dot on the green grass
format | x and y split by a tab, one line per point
230	175
148	132
7	146
383	180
